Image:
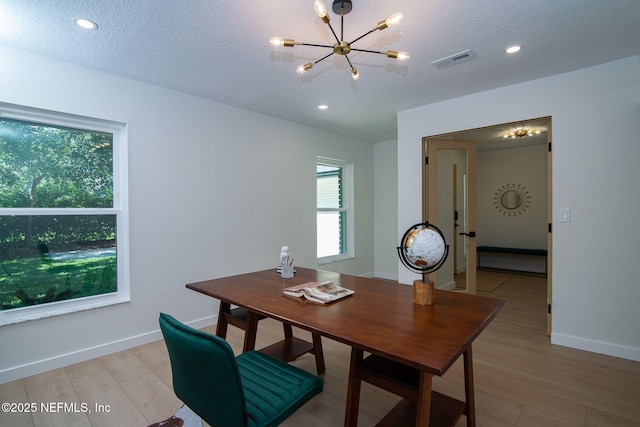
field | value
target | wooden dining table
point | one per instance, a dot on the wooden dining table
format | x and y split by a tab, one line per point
379	319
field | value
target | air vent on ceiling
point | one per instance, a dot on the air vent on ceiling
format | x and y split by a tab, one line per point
454	59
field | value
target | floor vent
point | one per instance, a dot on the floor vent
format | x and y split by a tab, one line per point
454	59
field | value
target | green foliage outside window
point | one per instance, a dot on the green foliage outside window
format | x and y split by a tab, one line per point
47	254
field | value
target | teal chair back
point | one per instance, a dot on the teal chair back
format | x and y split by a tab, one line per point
252	390
205	374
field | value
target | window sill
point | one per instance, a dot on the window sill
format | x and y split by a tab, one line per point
35	312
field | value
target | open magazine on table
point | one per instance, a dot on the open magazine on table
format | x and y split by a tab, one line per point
320	292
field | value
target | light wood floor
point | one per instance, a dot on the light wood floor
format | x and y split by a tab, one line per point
520	380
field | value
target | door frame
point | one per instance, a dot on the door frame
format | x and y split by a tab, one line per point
550	229
549	122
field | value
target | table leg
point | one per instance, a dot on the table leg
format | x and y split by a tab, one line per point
317	346
470	406
221	327
288	330
353	390
423	409
318	353
251	332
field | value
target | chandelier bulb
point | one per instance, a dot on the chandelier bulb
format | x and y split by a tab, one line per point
394	19
390	21
321	10
279	41
402	56
304	68
354	73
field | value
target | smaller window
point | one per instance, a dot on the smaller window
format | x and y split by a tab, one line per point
334	211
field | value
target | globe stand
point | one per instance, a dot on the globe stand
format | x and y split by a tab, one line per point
423	249
424	292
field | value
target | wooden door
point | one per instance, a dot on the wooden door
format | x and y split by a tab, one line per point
441	158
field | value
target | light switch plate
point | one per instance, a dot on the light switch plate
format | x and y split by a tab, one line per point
565	215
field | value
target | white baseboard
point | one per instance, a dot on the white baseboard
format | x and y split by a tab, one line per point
594	346
387	276
449	286
63	360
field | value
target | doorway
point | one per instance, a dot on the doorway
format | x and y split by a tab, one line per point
512	156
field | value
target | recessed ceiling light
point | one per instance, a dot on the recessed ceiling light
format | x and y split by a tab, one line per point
87	24
513	49
322	107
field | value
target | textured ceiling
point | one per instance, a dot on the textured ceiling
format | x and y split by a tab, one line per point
219	49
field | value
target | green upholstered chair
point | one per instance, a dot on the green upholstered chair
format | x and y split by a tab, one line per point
251	390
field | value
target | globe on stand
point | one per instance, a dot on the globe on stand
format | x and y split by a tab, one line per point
423	250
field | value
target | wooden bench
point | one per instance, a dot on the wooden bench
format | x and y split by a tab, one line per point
513	259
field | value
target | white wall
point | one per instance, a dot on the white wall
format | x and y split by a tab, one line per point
527	167
385	201
596	123
214	191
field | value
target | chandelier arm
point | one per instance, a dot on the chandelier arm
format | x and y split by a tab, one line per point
362	36
349	61
316	45
323	58
347	58
334	33
370	51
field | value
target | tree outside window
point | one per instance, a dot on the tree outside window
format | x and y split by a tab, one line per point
60	223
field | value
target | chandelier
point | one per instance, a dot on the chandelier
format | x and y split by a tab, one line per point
342	47
521	133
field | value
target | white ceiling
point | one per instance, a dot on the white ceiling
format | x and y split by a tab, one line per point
219	49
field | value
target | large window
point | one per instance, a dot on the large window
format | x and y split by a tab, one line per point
63	217
334	210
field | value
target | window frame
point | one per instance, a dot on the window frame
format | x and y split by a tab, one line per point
119	208
347	208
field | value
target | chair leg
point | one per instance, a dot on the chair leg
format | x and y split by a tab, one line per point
353	390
